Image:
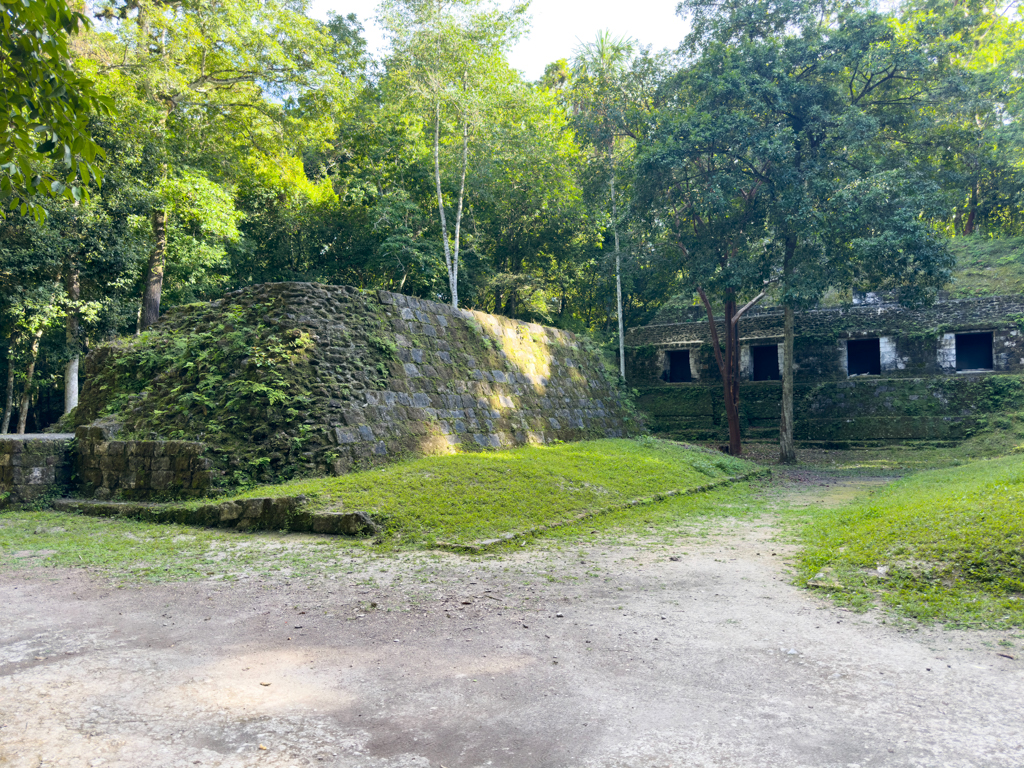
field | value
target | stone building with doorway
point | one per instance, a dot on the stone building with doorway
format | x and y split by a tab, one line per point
871	372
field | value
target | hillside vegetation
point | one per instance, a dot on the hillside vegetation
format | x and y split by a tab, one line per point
987	266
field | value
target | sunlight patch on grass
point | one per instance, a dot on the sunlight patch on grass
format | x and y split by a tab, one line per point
483	495
464	496
942	546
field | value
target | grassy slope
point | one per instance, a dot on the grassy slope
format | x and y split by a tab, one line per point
952	539
513	489
482	495
987	267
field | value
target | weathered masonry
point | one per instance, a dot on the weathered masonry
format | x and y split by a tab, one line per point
290	379
32	466
874	372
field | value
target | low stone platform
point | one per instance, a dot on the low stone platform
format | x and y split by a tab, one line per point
32	466
261	514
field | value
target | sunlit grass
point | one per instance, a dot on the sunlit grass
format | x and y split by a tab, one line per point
460	498
949	543
482	495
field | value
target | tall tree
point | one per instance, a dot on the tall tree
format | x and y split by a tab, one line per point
451	56
600	67
697	185
828	93
217	82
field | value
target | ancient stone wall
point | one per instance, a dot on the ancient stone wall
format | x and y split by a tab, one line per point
858	411
364	378
914	343
918	393
139	469
31	466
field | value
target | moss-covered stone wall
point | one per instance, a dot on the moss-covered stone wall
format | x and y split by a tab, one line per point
918	395
297	378
863	410
32	466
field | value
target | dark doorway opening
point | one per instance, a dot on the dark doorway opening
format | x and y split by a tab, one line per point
863	356
765	362
974	351
678	366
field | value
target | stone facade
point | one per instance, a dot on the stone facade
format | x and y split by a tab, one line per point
385	376
914	342
31	466
918	392
139	469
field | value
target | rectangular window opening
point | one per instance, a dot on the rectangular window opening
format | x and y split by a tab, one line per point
765	363
863	357
974	351
678	369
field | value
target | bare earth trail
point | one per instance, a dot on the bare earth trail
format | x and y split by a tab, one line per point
588	657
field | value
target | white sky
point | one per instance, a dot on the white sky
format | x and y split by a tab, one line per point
558	26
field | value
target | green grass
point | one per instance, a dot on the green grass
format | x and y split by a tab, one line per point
131	551
951	539
474	496
987	266
1003	434
459	497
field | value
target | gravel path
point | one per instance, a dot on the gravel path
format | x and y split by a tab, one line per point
698	655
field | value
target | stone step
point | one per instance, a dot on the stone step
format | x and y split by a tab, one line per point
260	514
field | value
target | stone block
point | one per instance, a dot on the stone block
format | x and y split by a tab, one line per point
230	511
343	523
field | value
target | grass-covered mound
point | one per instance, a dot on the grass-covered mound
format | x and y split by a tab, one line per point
987	266
476	496
945	545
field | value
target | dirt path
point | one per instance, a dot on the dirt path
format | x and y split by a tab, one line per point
597	657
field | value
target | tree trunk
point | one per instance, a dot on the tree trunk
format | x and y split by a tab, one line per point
618	280
74	289
728	367
5	426
732	386
155	272
973	212
30	372
440	202
458	215
787	450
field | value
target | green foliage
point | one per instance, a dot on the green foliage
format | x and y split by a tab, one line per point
215	381
45	105
950	543
481	495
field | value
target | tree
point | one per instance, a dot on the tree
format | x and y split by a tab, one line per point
695	169
216	83
450	57
598	83
826	96
972	146
45	105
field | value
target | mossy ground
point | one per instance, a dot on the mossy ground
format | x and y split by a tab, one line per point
459	498
950	532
